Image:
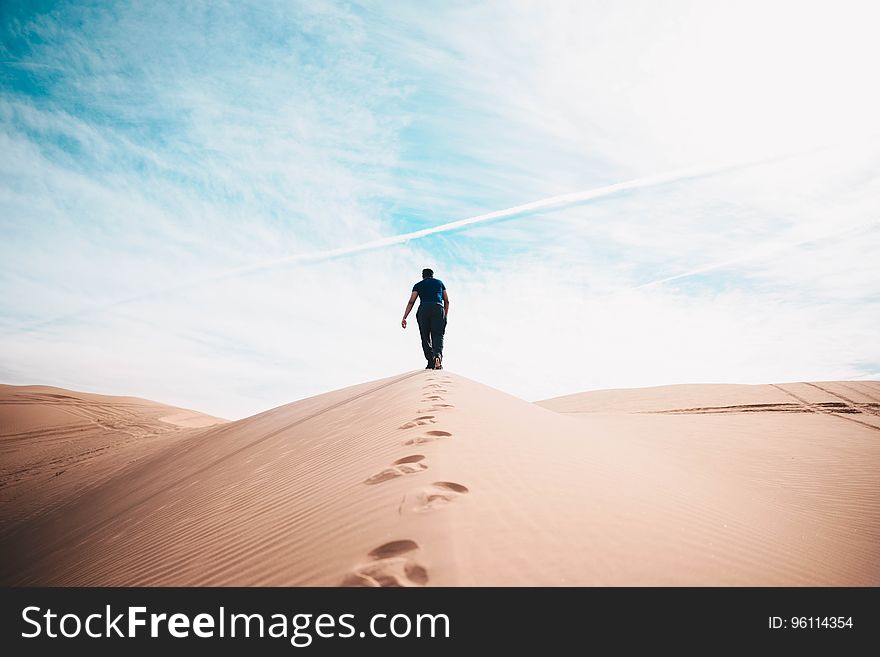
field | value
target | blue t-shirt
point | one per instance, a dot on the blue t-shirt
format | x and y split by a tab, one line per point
430	290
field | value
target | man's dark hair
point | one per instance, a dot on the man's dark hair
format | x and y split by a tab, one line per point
427	273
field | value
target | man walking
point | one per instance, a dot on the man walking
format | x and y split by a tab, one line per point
431	316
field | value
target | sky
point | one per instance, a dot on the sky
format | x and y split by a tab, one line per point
224	205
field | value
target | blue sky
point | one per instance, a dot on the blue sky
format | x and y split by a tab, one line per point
163	162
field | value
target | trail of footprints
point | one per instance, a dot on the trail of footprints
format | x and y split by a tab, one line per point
395	563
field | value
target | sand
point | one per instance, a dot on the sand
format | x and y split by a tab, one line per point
431	479
55	443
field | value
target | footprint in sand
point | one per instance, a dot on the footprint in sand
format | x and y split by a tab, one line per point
392	565
403	466
433	398
428	437
435	407
419	421
438	494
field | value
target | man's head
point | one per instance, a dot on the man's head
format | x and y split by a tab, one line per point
427	273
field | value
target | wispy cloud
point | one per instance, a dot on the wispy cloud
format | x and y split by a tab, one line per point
524	209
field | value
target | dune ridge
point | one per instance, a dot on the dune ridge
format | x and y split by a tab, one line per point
56	442
431	479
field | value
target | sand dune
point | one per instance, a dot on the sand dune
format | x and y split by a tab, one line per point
55	443
429	478
835	396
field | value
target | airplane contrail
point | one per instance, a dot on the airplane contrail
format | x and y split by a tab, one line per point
762	251
561	200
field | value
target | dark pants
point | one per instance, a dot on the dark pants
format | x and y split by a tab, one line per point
432	325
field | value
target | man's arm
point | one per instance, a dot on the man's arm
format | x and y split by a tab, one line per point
409	305
446	303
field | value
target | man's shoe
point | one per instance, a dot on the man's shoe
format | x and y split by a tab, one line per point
430	365
438	363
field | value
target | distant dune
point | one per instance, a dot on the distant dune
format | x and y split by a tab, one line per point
429	478
853	399
55	443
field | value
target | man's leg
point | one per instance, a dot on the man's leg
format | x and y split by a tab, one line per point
438	328
424	321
